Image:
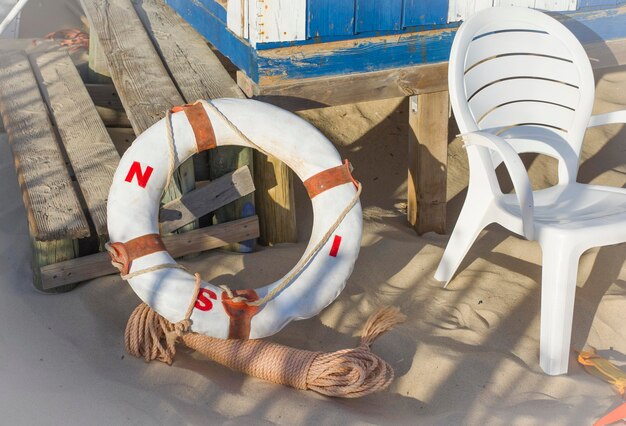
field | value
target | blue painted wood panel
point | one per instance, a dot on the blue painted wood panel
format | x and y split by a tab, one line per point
310	58
215	8
595	3
214	30
377	15
328	18
368	55
424	12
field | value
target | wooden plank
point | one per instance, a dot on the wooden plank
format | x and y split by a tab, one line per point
276	21
330	18
122	138
54	211
105	95
77	121
99	265
237	17
339	90
98	71
113	117
420	12
375	15
198	73
428	159
274	200
142	82
206	199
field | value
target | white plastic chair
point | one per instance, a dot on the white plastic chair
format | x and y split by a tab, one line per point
520	82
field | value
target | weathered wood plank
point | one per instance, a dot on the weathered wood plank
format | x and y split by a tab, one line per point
77	121
339	90
198	73
99	265
274	200
113	117
122	138
105	95
98	66
142	82
428	159
54	211
206	199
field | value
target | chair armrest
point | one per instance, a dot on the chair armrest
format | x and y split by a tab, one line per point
612	117
516	170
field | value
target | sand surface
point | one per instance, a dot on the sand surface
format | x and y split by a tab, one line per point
467	354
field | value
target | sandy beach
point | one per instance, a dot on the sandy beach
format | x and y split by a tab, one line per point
467	355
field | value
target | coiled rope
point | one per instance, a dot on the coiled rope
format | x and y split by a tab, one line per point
347	373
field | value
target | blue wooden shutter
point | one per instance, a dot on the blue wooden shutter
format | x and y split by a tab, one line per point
330	18
378	15
424	12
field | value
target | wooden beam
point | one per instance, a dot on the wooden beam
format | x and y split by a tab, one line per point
307	93
77	121
428	159
206	199
345	89
178	245
122	138
198	73
98	71
274	199
105	95
54	211
142	82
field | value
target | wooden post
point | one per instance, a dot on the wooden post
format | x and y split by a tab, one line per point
98	67
274	200
428	159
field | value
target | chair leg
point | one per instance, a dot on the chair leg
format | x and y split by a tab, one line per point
558	289
471	221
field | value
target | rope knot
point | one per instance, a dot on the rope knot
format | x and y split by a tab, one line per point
119	257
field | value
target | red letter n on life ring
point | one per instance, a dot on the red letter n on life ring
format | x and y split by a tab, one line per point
142	177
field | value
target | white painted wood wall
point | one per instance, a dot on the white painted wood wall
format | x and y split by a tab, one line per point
264	21
463	9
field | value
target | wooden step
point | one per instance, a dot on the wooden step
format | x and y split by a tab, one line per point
77	121
54	210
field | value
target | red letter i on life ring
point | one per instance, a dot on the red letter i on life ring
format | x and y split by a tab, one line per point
335	247
142	177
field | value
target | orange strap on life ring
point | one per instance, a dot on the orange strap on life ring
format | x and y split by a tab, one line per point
201	125
329	178
123	254
240	312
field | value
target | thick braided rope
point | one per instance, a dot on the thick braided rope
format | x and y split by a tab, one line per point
288	279
348	373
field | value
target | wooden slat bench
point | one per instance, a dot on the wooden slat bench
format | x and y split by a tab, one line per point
65	160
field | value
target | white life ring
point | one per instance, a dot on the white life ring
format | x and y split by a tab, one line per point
137	188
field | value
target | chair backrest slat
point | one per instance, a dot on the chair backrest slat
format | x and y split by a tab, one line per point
520	67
